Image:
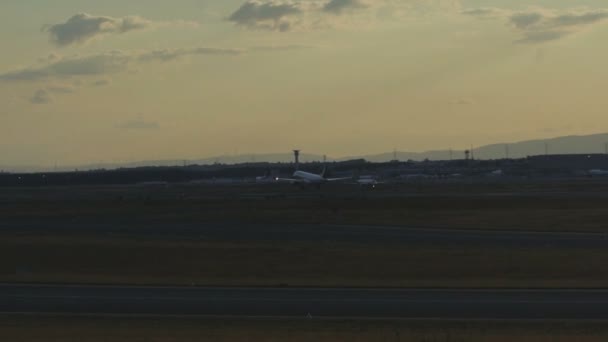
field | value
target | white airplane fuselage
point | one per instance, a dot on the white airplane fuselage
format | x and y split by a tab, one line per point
598	172
309	177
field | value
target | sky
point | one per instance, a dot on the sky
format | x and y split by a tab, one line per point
86	81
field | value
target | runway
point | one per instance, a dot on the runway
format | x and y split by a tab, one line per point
307	302
315	233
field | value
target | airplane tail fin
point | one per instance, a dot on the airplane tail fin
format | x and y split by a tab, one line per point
324	172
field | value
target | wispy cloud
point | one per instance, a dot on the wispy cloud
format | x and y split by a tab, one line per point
165	55
65	67
105	63
339	6
54	73
487	13
60	88
42	96
101	83
540	25
268	48
139	124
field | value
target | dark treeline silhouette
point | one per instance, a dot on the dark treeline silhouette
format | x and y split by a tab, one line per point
576	165
249	171
159	174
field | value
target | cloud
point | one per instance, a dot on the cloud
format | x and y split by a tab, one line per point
483	12
524	21
165	55
270	15
83	27
104	63
54	75
569	19
139	124
42	96
542	25
303	15
338	6
533	37
267	48
60	89
101	83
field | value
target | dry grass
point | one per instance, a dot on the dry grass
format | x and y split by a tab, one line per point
562	207
577	206
117	329
153	261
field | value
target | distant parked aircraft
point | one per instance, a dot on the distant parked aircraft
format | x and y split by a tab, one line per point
598	172
370	181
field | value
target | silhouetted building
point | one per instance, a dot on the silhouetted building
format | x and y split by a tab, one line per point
569	162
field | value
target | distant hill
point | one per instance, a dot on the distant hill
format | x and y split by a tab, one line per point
561	145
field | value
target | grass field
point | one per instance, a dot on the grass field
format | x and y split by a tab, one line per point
137	260
542	207
141	259
117	329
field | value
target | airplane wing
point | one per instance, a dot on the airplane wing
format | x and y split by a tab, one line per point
291	180
338	179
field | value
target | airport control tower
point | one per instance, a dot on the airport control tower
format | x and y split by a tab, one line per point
296	155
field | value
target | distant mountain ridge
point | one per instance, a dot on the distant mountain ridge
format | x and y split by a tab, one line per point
574	144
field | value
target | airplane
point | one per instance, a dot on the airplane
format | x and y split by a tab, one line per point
367	180
303	178
496	173
306	178
266	178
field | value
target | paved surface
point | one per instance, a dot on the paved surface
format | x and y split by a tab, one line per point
309	232
287	302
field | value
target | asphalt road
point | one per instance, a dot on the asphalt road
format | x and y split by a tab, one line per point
315	233
298	302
